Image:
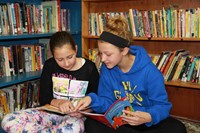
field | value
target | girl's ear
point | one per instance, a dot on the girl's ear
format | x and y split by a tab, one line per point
76	48
125	51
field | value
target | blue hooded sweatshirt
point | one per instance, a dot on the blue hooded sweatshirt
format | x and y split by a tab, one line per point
143	85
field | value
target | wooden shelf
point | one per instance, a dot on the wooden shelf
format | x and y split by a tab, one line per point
151	38
183	84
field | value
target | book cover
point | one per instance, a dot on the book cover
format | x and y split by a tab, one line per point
112	117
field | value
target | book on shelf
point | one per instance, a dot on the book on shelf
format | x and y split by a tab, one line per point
179	67
175	63
187	68
94	56
140	24
172	62
2	60
151	24
4	102
165	62
6	62
162	59
196	73
146	24
10	99
187	61
132	24
190	71
154	58
54	12
13	50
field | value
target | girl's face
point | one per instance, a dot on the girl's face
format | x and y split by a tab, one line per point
65	56
110	54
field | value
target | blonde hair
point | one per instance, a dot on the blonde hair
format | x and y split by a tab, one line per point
118	25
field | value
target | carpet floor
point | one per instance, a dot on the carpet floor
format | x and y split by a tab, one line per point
192	127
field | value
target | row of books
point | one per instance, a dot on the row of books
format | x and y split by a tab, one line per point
174	65
168	22
178	65
18	59
18	97
93	55
19	18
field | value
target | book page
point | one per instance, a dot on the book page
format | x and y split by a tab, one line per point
54	109
50	108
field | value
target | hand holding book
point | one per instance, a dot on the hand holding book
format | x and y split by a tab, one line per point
63	105
83	103
136	118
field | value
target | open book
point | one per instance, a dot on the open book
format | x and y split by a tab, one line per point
112	117
50	108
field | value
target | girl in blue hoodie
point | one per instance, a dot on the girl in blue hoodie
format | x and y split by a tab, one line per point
128	71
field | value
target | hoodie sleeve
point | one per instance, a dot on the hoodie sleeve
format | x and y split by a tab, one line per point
105	98
160	107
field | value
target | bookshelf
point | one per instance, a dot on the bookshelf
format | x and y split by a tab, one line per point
20	39
6	40
75	20
184	96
